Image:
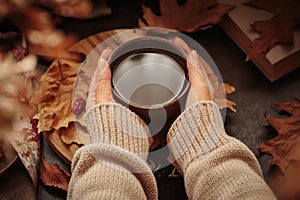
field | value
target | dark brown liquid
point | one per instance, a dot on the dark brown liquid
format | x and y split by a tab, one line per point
152	94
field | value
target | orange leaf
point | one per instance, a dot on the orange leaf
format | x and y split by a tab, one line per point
187	16
285	149
54	176
55	95
286	146
219	98
229	88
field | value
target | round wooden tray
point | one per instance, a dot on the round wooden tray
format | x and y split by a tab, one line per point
92	47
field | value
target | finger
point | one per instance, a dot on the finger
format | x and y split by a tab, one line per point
182	44
104	88
103	61
106	53
206	72
198	83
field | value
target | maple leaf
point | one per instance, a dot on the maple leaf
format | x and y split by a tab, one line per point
55	95
278	29
53	175
185	16
285	147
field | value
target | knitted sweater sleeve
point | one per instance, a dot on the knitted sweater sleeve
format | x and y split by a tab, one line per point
214	165
114	165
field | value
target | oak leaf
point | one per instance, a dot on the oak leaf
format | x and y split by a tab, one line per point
285	147
55	95
185	16
278	29
53	175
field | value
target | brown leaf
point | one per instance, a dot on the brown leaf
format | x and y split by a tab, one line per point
69	135
285	147
231	105
278	29
191	16
77	9
53	175
219	99
229	88
55	96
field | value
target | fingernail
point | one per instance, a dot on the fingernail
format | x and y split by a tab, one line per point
194	54
175	38
106	53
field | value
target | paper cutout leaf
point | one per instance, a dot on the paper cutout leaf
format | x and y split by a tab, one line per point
55	95
285	148
278	29
53	175
186	16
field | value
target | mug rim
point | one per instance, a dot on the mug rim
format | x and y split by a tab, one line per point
179	50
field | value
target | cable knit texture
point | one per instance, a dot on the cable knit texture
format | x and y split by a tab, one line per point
214	165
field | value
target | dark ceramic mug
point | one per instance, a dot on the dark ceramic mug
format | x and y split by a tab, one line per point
149	76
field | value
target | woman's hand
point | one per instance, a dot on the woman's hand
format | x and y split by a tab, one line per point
100	88
200	85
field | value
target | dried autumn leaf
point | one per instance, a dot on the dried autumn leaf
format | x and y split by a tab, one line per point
69	135
278	29
53	175
285	149
219	99
70	8
229	88
231	105
55	95
185	16
41	33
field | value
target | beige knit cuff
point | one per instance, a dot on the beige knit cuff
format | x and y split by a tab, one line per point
195	133
113	123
